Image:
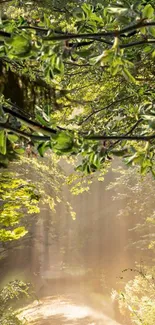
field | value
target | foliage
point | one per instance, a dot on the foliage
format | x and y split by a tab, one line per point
12	292
138	298
50	178
138	194
17	197
23	193
111	45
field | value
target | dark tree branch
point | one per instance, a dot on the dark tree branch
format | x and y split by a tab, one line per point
114	33
134	126
25	135
31	124
121	46
31	137
79	44
18	109
104	108
121	137
40	29
141	42
126	134
102	40
5	34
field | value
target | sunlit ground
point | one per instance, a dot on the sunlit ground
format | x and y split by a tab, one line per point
62	310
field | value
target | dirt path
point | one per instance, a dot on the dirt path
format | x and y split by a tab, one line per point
64	310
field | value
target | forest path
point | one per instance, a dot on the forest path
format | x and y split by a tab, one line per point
64	310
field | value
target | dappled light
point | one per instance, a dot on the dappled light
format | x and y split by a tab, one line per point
65	311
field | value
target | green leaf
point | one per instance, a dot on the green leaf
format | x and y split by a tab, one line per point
12	137
87	8
20	45
85	53
79	168
1	138
150	119
143	30
59	64
152	124
117	10
151	30
129	160
78	13
2	142
19	232
106	56
20	151
47	21
128	76
148	49
42	147
114	70
96	161
41	120
63	141
148	12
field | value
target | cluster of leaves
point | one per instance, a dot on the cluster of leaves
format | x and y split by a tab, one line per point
17	197
11	293
20	197
138	298
44	42
49	180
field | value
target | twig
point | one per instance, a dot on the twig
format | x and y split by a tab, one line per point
129	132
141	42
104	108
121	137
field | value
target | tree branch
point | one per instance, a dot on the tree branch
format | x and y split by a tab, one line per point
123	46
31	124
141	42
126	134
113	33
101	40
120	137
5	34
23	134
69	36
106	107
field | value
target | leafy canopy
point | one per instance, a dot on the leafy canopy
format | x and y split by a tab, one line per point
98	62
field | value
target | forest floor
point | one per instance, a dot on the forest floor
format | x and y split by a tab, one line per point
65	310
